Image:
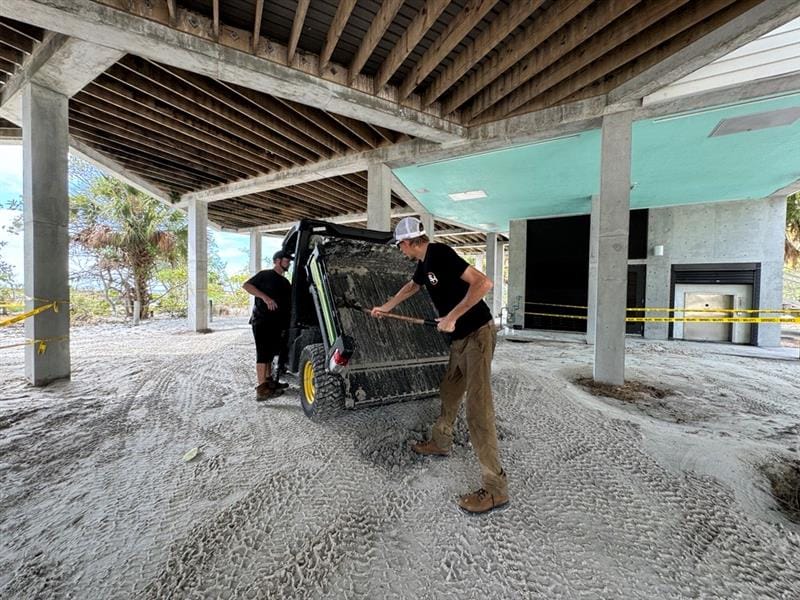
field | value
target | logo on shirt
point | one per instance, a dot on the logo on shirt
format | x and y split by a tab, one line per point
433	279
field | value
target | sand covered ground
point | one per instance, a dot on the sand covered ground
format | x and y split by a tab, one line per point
667	493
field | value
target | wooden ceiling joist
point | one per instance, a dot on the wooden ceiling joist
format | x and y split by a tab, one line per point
386	13
612	48
343	12
525	45
297	28
466	20
13	39
422	22
505	23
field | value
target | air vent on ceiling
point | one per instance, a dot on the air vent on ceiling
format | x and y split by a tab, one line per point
763	120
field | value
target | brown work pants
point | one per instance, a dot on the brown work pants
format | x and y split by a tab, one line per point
470	371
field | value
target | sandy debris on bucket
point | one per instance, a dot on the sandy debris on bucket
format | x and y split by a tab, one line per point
651	498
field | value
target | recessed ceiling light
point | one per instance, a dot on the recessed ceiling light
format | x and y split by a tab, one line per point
422	190
471	195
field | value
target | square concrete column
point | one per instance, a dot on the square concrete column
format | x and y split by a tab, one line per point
494	271
517	268
379	197
428	224
610	223
594	229
255	252
45	146
198	266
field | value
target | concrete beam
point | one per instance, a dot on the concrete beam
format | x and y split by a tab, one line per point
340	219
612	216
759	20
379	197
255	252
46	236
129	33
428	223
62	64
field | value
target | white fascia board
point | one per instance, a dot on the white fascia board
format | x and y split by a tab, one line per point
129	33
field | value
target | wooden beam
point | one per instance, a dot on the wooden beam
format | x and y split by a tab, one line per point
424	20
190	47
34	33
215	10
466	20
506	22
6	66
173	11
592	60
297	28
14	39
386	13
325	122
343	12
257	24
525	43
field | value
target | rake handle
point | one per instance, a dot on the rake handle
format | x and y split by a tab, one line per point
415	320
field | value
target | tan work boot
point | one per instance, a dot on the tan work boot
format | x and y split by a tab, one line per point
267	390
481	501
429	448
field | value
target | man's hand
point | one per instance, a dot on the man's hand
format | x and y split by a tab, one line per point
271	304
447	324
379	311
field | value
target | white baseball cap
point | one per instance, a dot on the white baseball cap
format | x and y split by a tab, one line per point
407	229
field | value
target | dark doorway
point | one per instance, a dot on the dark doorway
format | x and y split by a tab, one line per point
637	289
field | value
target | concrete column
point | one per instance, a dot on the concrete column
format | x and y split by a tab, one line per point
480	262
494	271
428	224
517	267
612	215
198	266
45	144
591	320
379	197
255	252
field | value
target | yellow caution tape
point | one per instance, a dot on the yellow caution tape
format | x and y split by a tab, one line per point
30	313
682	319
41	345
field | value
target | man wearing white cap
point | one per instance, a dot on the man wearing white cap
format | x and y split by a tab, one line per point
457	290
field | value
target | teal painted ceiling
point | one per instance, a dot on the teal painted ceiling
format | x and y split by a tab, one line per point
674	162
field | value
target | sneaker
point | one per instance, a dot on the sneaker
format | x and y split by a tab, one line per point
429	448
481	502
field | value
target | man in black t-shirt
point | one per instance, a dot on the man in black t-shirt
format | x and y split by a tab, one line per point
457	290
270	320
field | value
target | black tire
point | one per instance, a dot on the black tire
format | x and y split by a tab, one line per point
321	392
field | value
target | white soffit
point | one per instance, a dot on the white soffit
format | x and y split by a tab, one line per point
777	53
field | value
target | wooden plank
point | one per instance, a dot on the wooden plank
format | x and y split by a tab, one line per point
357	128
466	20
34	33
587	56
147	78
617	73
139	108
297	28
215	11
15	40
556	18
257	24
8	67
340	19
413	34
322	120
11	55
173	12
377	29
506	22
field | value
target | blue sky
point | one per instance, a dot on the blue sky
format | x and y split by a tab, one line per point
233	247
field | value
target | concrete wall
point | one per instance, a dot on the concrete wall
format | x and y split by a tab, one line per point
750	231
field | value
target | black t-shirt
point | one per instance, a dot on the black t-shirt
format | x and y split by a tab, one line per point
440	271
279	289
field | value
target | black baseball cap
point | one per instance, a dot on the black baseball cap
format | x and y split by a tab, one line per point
282	254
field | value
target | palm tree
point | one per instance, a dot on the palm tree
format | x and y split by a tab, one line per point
127	231
792	242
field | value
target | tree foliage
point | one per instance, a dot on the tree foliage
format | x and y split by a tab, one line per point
792	241
123	235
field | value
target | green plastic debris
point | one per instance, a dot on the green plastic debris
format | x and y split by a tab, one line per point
191	454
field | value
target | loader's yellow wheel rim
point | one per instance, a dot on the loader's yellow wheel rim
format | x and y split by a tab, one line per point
308	382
